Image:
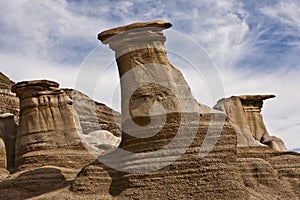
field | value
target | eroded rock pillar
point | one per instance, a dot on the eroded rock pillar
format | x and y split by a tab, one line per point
150	85
244	113
49	128
168	149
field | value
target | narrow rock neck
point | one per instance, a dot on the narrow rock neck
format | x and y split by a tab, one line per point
136	48
151	53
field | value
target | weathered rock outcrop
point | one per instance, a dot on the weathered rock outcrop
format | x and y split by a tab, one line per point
269	174
9	112
9	103
8	132
5	82
100	124
244	113
49	128
93	115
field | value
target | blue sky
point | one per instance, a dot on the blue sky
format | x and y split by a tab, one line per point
254	44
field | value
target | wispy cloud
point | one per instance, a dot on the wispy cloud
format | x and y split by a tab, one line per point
255	45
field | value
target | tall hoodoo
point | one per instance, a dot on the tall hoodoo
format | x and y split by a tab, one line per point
49	128
149	82
160	149
153	91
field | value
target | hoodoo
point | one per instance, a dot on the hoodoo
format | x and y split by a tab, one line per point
244	113
49	128
159	155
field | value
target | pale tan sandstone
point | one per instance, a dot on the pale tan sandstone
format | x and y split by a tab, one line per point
244	113
148	79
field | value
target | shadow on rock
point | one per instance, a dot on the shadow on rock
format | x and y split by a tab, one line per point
32	183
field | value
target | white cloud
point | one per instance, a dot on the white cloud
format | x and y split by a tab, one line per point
286	13
49	39
20	68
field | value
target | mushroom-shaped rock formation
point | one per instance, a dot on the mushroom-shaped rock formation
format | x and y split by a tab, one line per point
244	113
150	84
164	142
49	128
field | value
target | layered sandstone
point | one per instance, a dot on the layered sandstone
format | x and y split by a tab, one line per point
93	115
269	174
244	113
9	112
188	177
49	128
168	149
100	124
5	82
9	103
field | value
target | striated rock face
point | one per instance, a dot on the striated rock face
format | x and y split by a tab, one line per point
49	128
5	82
189	177
9	112
244	113
269	174
94	116
9	103
100	124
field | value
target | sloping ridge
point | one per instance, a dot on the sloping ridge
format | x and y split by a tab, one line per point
5	82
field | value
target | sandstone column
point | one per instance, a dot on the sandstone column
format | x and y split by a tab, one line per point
159	155
149	82
151	88
49	128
